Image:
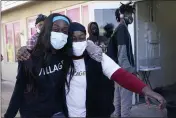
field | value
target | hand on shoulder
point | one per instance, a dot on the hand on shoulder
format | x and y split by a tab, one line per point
94	51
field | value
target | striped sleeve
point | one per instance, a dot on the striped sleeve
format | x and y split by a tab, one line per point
108	65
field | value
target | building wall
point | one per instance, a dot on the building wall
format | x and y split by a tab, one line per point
32	9
11	4
164	22
21	14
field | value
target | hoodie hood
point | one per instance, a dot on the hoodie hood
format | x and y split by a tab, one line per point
89	28
109	29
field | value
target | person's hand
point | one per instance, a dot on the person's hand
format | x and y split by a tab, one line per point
23	54
149	94
94	51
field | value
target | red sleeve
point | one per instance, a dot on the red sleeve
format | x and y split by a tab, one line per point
128	81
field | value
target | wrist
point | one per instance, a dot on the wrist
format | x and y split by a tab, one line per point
147	91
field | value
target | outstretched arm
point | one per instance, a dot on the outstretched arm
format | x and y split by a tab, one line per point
122	77
128	80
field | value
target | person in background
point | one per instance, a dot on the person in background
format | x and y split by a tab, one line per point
38	25
109	29
38	90
88	95
120	50
94	36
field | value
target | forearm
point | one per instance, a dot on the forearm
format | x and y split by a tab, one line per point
31	42
114	72
128	81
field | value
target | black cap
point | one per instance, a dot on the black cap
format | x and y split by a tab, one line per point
75	26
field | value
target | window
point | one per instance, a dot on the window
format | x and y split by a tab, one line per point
31	26
104	16
13	41
17	40
85	16
59	11
77	14
74	14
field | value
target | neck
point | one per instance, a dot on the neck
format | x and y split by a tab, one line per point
124	22
77	57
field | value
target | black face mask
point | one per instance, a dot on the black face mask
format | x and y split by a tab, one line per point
95	32
128	20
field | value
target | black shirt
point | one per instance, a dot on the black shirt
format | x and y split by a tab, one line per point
120	39
48	99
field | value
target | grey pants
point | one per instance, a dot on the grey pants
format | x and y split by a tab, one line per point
122	102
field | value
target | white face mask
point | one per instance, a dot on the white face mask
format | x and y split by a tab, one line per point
38	30
58	40
79	48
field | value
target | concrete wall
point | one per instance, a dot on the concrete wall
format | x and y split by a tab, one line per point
165	21
21	14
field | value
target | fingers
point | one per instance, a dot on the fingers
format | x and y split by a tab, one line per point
161	100
24	58
23	54
149	93
162	104
147	101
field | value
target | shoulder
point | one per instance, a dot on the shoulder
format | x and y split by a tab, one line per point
29	62
121	27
